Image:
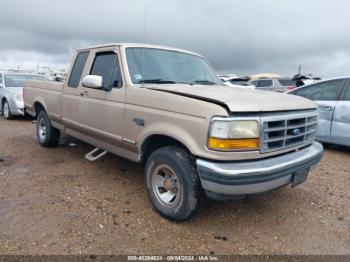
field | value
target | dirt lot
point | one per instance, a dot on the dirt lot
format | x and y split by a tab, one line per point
53	201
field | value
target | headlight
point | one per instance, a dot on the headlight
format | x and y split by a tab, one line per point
18	97
234	135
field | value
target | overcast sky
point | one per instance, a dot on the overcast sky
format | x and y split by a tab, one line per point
236	36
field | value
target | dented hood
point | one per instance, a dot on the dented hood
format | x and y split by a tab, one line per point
240	99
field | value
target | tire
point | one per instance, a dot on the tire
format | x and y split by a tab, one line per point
47	135
6	112
173	183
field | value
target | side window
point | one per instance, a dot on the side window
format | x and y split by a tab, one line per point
286	82
0	78
106	65
77	70
306	91
264	83
322	91
347	94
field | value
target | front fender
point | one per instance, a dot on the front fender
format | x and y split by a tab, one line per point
173	131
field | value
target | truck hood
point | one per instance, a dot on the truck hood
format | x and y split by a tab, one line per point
239	99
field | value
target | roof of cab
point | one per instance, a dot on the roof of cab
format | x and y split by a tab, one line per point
125	45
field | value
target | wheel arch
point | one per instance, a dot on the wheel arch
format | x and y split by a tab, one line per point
3	99
2	104
38	106
156	141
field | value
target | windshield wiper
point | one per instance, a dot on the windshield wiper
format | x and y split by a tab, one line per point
204	82
156	81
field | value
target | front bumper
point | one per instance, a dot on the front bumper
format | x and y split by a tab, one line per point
256	176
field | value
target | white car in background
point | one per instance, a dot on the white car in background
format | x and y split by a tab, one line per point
226	77
282	84
11	92
241	82
333	99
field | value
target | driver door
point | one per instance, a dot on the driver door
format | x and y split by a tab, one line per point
341	119
326	95
102	110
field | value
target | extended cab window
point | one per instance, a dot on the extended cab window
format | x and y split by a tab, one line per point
106	65
322	91
77	70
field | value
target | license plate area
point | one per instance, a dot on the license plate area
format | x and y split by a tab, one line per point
300	177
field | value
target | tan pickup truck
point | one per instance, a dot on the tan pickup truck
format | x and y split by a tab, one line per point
166	107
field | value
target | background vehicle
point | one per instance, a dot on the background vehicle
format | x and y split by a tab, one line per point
274	84
242	82
264	75
11	92
333	99
195	135
305	79
227	77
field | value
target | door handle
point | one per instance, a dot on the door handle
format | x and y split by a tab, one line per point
84	93
326	108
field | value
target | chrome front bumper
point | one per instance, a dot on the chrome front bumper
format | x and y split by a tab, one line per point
256	176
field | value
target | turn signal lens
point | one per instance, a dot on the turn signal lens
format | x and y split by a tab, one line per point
233	144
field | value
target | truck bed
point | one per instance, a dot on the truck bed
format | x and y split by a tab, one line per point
48	93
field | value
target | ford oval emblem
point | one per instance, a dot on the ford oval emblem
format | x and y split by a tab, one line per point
297	131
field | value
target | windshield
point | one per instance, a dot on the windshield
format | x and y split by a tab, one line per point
149	65
18	80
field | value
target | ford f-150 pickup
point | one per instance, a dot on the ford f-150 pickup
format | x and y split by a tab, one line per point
167	108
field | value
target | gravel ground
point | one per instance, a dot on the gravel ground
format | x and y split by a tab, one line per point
53	201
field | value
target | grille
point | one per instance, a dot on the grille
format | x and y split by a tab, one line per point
290	130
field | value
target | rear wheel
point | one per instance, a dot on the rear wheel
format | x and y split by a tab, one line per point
172	183
47	135
6	110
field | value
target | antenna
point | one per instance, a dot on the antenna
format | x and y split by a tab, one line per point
144	39
144	21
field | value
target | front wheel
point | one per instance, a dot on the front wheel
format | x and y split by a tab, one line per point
47	135
172	183
6	110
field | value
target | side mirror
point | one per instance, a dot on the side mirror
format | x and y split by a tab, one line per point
93	81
